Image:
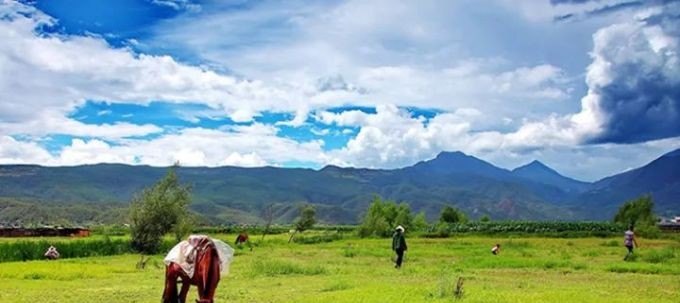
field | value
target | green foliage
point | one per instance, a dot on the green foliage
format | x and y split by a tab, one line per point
322	238
183	227
277	267
383	216
158	210
551	228
349	251
452	215
25	250
648	231
638	212
659	255
334	272
306	220
485	218
419	222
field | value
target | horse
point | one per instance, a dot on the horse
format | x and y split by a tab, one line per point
241	238
206	275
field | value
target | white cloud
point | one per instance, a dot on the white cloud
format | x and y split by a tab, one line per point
18	152
367	53
255	145
49	75
243	160
364	53
633	84
90	152
53	123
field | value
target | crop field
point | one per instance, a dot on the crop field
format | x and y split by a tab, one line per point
529	269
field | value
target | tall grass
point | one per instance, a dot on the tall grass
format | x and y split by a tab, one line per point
24	250
280	267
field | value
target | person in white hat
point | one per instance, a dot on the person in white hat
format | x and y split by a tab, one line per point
399	245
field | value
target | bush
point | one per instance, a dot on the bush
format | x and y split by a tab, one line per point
638	212
157	211
34	250
553	229
383	216
323	238
648	231
452	215
659	255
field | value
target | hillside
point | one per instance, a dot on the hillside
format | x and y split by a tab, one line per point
660	178
233	194
541	173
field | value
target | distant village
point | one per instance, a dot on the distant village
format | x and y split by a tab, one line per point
43	231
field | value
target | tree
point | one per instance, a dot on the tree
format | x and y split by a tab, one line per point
637	212
485	218
268	216
403	216
183	227
383	216
306	220
419	222
452	215
374	222
158	210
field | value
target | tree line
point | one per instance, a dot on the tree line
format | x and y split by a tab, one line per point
163	208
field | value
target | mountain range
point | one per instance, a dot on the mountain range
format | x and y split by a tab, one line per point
341	195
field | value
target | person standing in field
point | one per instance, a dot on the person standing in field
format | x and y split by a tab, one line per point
628	241
399	245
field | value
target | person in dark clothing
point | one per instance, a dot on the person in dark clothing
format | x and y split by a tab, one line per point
399	245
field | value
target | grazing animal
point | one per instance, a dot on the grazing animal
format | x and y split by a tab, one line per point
241	238
206	274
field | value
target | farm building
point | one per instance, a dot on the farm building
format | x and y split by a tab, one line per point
44	232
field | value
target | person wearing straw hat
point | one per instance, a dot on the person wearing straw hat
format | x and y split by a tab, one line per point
399	245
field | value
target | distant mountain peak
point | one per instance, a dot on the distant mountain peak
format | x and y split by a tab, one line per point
541	173
535	166
451	154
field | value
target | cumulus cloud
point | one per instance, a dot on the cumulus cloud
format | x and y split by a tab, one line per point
255	145
634	81
243	160
51	74
633	87
13	151
481	103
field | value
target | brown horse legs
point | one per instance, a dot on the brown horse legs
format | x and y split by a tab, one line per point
185	290
207	287
170	290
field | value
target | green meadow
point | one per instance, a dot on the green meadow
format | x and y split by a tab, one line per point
349	269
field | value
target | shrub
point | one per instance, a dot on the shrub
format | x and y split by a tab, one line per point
383	216
323	238
277	267
659	255
158	210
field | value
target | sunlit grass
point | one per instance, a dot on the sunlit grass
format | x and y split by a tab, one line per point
361	270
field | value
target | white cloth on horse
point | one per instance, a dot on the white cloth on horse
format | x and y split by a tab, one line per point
184	254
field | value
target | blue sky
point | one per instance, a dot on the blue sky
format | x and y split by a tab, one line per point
588	87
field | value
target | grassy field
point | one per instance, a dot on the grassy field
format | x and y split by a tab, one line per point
360	270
